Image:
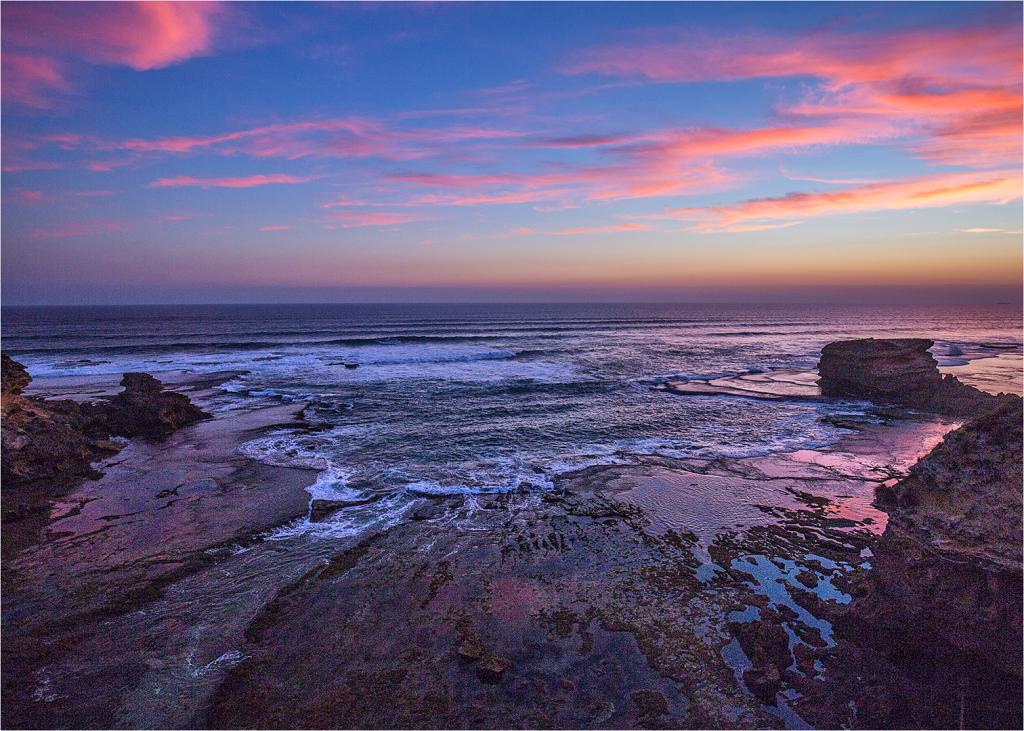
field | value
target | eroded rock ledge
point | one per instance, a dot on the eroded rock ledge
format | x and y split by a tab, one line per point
944	597
59	440
948	567
898	371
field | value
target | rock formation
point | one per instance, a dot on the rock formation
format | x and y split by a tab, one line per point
59	440
947	570
767	646
144	409
943	598
897	371
44	439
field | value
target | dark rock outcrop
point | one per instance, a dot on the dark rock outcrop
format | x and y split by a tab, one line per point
13	375
943	599
44	440
491	668
59	440
947	571
321	509
767	646
144	409
897	371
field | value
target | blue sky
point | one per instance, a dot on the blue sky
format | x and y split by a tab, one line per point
163	152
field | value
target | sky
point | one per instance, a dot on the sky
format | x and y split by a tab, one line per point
328	152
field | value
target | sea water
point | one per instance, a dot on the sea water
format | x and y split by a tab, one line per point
471	399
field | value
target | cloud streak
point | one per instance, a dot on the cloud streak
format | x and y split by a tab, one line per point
74	229
959	87
361	219
251	181
924	192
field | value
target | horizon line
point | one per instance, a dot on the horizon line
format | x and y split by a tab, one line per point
747	303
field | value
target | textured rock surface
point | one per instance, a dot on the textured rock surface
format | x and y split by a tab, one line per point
897	371
144	409
58	440
948	567
44	440
14	376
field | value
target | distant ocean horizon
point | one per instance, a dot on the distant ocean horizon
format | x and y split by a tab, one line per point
887	297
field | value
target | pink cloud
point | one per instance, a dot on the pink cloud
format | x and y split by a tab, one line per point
359	219
481	199
616	228
105	166
141	35
997	186
274	228
959	87
345	201
577	231
20	165
29	197
41	39
33	80
354	137
454	180
77	228
641	176
251	181
827	181
746	228
593	140
987	54
652	163
37	197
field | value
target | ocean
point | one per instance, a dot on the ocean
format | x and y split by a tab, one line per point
494	398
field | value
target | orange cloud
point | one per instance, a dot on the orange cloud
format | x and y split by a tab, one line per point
933	191
251	181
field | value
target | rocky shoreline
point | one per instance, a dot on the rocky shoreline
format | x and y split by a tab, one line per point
756	592
164	515
943	600
59	440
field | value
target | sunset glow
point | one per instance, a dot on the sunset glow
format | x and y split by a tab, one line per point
228	152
